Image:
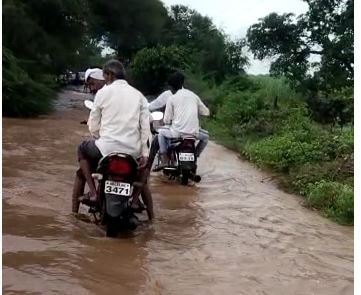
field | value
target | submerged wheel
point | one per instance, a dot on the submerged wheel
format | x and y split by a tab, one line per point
112	227
185	177
103	214
132	222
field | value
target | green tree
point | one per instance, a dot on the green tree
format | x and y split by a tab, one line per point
326	30
214	55
44	35
151	67
127	25
22	96
41	39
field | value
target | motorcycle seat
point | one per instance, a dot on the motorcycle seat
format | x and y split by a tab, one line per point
180	139
175	140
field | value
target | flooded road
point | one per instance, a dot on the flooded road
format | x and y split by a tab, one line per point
233	233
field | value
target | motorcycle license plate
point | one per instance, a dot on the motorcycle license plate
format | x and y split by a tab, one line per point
186	157
117	188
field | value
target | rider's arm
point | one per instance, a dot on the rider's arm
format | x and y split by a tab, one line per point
160	101
95	114
202	109
144	126
168	114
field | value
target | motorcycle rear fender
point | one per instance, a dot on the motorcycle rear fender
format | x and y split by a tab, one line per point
116	205
192	166
187	146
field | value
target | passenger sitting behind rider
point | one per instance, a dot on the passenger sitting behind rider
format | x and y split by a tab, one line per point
94	80
181	113
120	123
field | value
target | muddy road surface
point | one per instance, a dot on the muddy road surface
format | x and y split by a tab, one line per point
233	233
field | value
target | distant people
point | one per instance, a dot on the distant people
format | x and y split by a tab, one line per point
183	107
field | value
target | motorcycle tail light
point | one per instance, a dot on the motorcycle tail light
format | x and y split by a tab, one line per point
118	166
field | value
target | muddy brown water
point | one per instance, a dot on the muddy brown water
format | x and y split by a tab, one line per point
233	233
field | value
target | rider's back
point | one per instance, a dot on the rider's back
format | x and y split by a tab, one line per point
121	106
184	105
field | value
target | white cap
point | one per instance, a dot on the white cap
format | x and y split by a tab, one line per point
94	73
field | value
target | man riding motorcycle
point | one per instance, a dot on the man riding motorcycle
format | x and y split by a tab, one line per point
94	80
160	102
182	110
120	123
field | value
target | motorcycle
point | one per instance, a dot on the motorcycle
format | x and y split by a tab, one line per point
115	180
183	160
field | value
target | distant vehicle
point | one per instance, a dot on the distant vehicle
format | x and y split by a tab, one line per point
82	76
74	78
182	153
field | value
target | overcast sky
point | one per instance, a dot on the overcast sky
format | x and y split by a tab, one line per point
235	16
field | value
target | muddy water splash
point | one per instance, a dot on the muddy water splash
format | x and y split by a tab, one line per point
234	233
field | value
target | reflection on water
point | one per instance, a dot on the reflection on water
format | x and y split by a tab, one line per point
231	234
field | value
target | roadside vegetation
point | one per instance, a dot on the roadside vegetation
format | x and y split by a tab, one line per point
297	121
276	131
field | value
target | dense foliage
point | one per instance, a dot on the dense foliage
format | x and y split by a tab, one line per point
315	51
326	30
273	128
211	51
151	67
47	37
127	25
22	96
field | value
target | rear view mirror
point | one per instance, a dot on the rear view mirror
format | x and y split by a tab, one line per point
89	104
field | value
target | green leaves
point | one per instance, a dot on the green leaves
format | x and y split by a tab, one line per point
283	151
151	67
212	53
334	199
275	34
128	25
326	30
22	96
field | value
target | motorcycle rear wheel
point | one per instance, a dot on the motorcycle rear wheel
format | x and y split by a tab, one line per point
112	227
185	177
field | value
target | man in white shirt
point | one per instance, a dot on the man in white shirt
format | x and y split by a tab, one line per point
94	80
119	121
159	104
181	112
161	101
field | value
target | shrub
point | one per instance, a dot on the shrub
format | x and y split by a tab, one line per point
339	143
271	89
230	87
337	170
283	151
334	107
284	137
239	108
333	199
